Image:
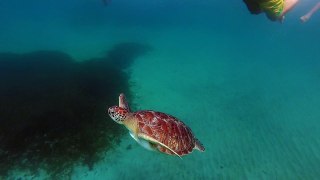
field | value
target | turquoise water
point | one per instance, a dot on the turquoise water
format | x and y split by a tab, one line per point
247	87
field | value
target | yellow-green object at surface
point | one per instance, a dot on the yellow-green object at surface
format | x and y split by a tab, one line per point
273	7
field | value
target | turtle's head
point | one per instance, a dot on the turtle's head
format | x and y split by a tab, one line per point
118	114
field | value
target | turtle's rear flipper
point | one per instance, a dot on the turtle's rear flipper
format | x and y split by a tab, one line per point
199	146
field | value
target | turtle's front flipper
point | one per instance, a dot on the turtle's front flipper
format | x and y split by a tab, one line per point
154	141
123	102
142	142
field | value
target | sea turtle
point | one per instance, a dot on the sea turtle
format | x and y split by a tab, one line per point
156	130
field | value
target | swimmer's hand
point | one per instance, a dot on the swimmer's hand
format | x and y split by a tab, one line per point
305	18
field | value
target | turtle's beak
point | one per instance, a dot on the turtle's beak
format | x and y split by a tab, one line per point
111	112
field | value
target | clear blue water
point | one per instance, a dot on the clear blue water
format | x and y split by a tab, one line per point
247	87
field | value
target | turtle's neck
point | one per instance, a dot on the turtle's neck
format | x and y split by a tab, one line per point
131	123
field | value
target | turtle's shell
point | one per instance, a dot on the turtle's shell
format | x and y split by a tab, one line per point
167	130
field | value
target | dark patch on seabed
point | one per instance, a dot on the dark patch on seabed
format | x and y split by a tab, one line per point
53	109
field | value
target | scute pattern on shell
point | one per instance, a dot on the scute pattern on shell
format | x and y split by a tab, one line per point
166	129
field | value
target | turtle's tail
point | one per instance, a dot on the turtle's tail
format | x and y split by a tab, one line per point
199	146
